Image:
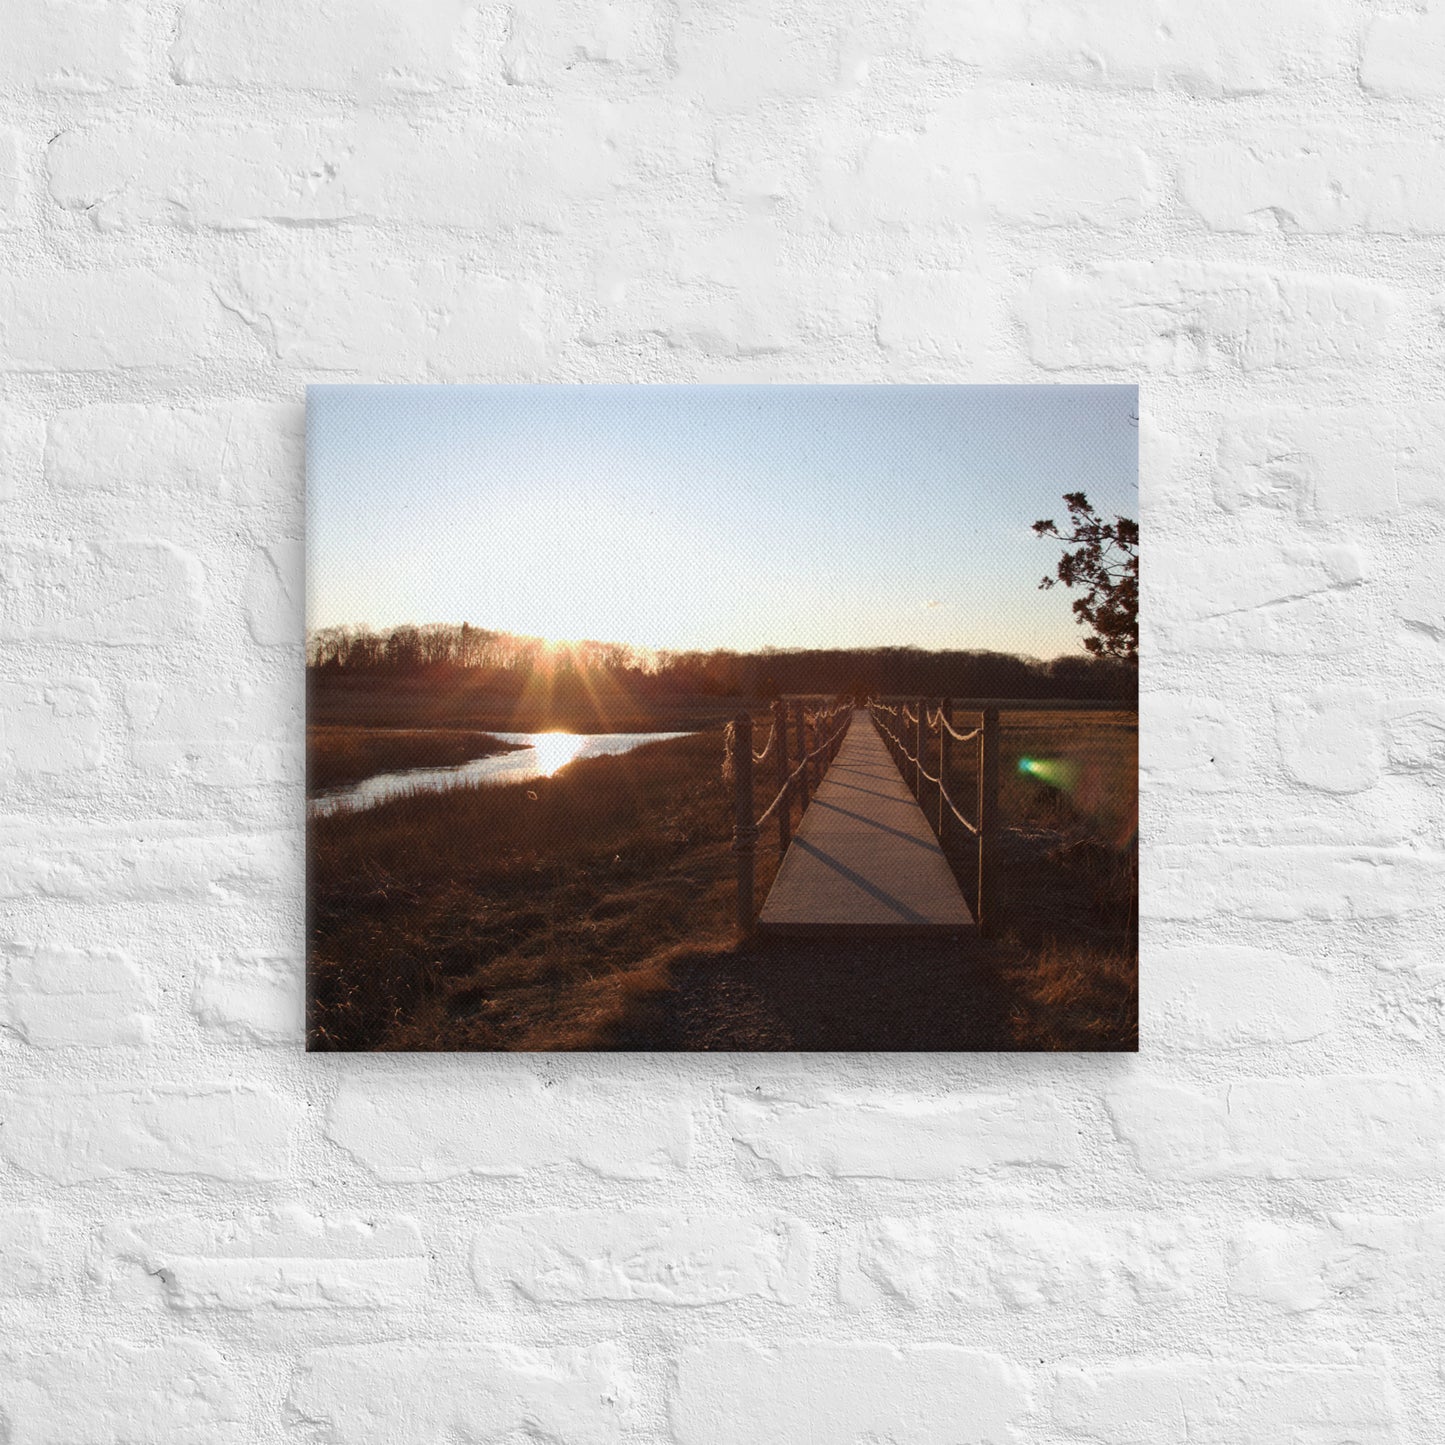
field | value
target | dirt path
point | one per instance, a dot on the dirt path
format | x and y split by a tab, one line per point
813	994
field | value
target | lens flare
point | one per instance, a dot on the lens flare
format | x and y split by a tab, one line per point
1054	772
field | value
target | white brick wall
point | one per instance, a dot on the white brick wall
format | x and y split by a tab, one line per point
207	1237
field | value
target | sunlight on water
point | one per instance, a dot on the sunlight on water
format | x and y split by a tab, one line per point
555	749
539	755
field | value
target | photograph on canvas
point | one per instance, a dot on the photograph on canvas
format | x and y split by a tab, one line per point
722	717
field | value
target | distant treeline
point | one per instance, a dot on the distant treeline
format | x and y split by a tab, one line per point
482	658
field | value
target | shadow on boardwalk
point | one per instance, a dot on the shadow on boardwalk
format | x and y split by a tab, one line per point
825	994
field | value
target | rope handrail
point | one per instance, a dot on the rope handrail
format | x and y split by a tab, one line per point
952	808
767	746
937	719
934	719
793	777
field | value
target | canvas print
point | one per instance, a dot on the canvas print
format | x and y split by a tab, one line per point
722	717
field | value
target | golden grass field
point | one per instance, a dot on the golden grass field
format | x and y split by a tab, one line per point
593	910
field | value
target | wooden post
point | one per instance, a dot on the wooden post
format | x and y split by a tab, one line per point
785	808
802	750
988	830
945	752
745	833
920	735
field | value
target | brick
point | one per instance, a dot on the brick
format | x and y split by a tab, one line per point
936	313
418	1394
1414	733
20	449
410	1125
1256	595
145	860
1328	621
477	176
93	996
921	179
1287	883
225	734
1189	743
422	320
1318	184
112	593
1041	178
107	320
12	180
289	1259
246	454
743	291
704	316
51	727
1022	1260
658	1256
1331	740
70	1133
27	1255
1187	317
1217	1402
196	177
894	1136
275	598
374	46
1167	484
1421	591
117	1393
545	43
1404	53
753	160
1376	1263
1207	997
251	997
1211	48
909	1395
1314	1128
1331	464
1409	999
739	52
74	45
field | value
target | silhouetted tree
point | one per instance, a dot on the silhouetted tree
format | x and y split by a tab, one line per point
1105	561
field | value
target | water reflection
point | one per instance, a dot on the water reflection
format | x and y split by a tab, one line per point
554	749
539	755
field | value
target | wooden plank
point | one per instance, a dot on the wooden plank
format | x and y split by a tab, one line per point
864	860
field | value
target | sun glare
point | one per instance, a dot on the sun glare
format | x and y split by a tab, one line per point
556	749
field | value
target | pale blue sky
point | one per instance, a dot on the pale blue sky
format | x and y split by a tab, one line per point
710	516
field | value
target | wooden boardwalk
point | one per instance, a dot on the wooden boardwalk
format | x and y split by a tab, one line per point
864	859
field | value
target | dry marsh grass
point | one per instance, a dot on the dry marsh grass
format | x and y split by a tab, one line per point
336	756
1073	997
520	916
594	910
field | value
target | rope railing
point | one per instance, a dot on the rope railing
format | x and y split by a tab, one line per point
922	722
800	765
799	778
767	746
934	719
937	719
